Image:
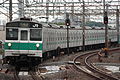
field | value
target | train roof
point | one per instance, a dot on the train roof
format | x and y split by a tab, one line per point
24	20
29	20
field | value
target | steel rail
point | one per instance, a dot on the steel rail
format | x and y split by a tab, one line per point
16	77
81	69
34	75
103	74
95	76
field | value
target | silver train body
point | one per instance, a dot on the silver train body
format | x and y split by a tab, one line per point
57	37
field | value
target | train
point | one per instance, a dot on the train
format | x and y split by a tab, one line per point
31	41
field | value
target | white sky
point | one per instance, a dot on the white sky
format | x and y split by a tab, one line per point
51	18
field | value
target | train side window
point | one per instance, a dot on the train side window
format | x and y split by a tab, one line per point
35	34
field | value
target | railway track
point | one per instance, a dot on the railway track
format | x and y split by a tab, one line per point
32	72
87	66
34	75
15	75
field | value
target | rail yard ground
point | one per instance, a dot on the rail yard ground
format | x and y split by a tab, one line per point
62	69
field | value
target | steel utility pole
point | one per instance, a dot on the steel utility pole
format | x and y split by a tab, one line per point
47	11
117	23
106	30
21	7
72	9
10	10
105	23
83	26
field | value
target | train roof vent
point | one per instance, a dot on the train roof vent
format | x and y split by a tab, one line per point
26	19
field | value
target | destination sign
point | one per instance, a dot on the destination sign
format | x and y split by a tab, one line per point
24	24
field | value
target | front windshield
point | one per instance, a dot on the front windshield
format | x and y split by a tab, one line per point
11	34
35	34
24	35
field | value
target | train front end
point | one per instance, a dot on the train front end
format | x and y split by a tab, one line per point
23	42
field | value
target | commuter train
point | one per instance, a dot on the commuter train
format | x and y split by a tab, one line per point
31	41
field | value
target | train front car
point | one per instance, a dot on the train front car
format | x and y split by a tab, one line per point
23	41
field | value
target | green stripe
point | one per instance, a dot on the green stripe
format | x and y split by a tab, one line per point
22	46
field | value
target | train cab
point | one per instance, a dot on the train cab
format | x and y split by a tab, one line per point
23	39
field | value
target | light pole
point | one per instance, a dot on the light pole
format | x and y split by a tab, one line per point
83	26
67	22
117	24
106	29
105	23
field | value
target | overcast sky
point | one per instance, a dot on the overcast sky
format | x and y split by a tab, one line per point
4	10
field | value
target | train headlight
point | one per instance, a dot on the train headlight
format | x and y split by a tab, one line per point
9	44
37	45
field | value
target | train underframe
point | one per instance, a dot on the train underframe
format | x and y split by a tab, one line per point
22	60
59	51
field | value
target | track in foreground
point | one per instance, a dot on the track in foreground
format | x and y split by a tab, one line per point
32	72
87	67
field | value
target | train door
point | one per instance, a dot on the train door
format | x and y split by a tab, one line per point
24	41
